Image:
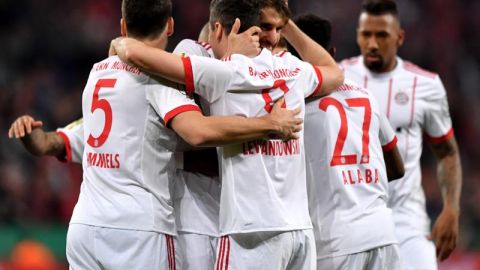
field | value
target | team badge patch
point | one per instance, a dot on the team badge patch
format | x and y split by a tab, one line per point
401	98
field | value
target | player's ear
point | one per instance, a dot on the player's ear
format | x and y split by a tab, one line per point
170	26
218	31
123	27
401	37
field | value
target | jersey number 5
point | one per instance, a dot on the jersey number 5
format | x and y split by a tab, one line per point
338	158
102	104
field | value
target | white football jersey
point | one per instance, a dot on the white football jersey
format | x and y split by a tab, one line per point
129	158
196	197
346	175
263	181
72	136
415	102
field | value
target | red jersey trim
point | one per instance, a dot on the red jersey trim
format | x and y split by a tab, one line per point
281	54
189	84
389	146
68	148
320	81
441	139
181	109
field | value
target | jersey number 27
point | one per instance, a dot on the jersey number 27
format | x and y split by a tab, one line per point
338	158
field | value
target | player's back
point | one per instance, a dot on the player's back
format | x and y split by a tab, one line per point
346	175
263	181
128	160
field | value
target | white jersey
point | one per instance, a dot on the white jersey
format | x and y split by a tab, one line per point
72	136
263	181
196	196
128	161
346	176
415	102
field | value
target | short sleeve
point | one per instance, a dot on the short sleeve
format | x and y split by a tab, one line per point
311	77
168	101
72	136
438	124
207	77
386	134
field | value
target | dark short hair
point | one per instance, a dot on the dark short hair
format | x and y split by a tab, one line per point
279	5
380	7
317	28
146	18
225	12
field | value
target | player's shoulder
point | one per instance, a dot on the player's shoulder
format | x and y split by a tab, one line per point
349	87
193	47
409	67
349	62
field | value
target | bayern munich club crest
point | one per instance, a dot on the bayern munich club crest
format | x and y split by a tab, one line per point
401	98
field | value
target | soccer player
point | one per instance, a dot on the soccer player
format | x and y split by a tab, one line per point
264	217
347	138
124	216
415	102
196	193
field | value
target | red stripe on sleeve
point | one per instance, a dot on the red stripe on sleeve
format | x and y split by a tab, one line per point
68	148
389	146
189	84
320	80
184	108
440	139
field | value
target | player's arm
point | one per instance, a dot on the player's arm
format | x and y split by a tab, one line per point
312	52
35	139
149	59
393	163
391	155
200	130
449	174
170	66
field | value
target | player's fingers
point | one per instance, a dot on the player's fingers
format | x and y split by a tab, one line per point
298	121
37	124
27	123
255	39
235	27
111	50
279	102
10	132
17	129
297	111
254	30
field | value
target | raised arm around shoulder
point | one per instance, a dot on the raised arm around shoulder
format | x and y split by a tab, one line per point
149	59
313	53
199	130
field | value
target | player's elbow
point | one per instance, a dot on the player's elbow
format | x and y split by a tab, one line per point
197	138
396	173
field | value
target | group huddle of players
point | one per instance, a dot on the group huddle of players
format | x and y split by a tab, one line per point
305	147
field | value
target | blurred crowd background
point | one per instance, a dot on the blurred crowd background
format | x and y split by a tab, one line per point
49	46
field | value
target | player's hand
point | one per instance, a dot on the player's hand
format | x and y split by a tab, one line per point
445	232
111	49
23	126
287	121
246	43
122	46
